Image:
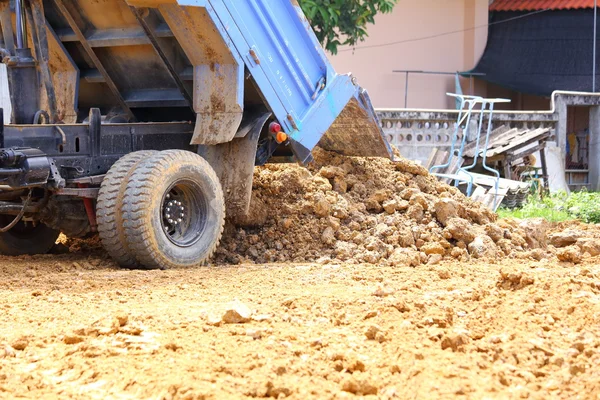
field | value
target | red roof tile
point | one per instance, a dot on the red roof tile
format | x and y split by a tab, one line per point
533	5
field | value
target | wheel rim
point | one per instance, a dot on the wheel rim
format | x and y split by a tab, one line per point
183	213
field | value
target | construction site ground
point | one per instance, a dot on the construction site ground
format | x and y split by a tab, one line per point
351	277
75	326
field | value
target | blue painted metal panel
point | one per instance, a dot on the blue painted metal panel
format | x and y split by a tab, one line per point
279	48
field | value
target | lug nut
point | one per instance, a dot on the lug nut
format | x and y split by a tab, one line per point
168	216
168	195
182	215
170	221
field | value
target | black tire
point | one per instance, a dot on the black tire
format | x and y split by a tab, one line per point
174	211
108	208
26	239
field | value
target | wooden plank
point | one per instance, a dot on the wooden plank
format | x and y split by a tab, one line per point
453	168
525	140
510	138
469	149
529	151
432	157
544	167
440	158
491	194
478	194
493	140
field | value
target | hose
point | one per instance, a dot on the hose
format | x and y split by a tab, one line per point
18	217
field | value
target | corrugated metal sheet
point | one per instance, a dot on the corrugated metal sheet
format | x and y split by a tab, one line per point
533	5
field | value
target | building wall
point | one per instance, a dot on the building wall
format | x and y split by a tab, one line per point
413	19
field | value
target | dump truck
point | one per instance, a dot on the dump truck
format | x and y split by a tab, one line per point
143	120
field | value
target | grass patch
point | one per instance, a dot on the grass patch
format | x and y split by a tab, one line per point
584	206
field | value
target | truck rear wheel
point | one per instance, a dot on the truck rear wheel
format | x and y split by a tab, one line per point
173	211
26	239
110	202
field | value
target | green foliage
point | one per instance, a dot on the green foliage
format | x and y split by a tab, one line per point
343	22
584	206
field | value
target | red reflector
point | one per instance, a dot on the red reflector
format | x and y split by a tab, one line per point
274	128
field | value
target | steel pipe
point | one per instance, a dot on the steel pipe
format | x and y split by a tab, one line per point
21	24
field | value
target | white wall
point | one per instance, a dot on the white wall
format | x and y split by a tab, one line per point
414	19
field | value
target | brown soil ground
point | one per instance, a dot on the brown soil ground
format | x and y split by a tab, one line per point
352	277
75	326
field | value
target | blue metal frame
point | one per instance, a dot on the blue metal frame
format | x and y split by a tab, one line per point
465	114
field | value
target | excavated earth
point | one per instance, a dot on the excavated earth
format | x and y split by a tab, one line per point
350	278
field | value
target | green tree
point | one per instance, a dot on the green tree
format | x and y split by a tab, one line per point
343	22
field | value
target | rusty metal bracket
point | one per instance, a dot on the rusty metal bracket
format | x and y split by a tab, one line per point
95	60
40	40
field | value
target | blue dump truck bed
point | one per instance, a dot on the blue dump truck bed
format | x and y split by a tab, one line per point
275	42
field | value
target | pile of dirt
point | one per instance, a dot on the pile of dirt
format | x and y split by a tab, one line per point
360	210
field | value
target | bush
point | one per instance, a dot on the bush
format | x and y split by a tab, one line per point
584	206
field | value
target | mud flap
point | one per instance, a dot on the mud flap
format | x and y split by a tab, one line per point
234	164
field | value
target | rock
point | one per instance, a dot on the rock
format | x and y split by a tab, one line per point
460	229
433	248
434	259
570	254
371	314
123	319
373	205
565	238
400	305
494	232
402	205
455	341
236	313
416	212
7	351
411	167
340	185
535	232
359	387
446	209
374	332
591	246
383	291
405	257
444	273
511	279
344	250
72	339
331	172
20	344
256	333
322	208
421	199
328	236
390	206
406	238
482	247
